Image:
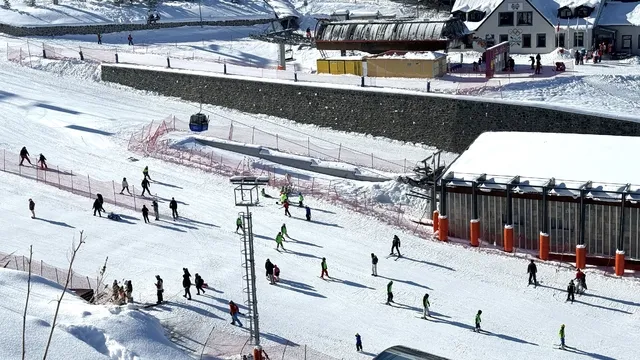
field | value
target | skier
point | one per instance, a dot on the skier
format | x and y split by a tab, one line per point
129	291
389	292
154	204
99	39
43	162
239	224
395	245
199	283
323	264
173	205
286	208
130	38
97	206
269	267
283	230
145	172
582	279
32	208
283	196
425	305
101	200
532	270
24	155
276	273
159	288
300	199
571	289
308	213
478	320
125	186
358	342
145	214
234	311
279	240
374	265
145	186
562	337
186	283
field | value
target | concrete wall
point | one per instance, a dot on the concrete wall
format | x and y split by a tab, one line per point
447	122
110	28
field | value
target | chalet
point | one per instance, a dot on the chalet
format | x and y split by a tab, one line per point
619	25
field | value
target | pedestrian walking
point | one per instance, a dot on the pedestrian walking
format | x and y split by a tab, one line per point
390	292
374	265
145	187
395	245
97	207
308	213
571	290
154	204
286	208
358	342
425	306
43	162
32	208
279	240
234	311
239	224
145	214
268	265
562	343
186	283
159	288
478	321
199	284
99	39
24	155
130	38
532	270
324	272
125	186
173	205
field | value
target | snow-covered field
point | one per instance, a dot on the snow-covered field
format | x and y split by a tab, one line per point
37	109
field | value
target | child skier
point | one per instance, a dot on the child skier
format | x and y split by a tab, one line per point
199	283
389	292
279	240
562	337
283	230
43	162
234	311
358	342
145	172
571	290
239	224
323	264
425	305
478	320
300	199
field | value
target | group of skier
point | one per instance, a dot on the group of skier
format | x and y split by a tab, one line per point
122	294
24	155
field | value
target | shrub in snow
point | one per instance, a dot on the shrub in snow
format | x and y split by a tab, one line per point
7	4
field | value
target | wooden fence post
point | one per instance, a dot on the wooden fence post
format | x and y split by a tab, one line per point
115	202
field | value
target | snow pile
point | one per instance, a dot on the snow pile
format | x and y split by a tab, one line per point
74	68
83	331
414	55
635	60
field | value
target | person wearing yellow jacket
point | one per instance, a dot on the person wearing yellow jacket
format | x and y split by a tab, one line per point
562	337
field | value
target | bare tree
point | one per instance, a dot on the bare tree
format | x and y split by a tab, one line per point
74	252
99	282
26	305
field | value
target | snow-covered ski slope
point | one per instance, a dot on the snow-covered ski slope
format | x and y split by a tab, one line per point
36	109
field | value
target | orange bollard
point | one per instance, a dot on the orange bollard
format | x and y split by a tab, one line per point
257	353
581	256
443	227
475	232
436	215
508	238
619	262
544	246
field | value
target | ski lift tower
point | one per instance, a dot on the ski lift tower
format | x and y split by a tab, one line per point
247	194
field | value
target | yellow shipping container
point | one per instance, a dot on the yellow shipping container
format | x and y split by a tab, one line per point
340	66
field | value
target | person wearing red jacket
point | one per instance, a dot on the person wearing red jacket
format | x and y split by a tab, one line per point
581	278
234	311
286	208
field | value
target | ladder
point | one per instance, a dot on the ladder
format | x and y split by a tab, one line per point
248	277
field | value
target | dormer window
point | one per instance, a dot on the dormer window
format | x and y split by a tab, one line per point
565	13
475	16
460	15
583	11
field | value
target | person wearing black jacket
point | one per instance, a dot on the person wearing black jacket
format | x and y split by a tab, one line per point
571	290
24	155
155	209
97	206
199	283
186	283
269	267
395	245
32	208
145	186
532	270
173	205
145	214
374	264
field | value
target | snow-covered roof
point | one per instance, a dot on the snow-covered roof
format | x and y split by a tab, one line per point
283	9
538	157
620	13
549	9
487	6
413	55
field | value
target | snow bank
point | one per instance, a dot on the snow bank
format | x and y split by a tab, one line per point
414	55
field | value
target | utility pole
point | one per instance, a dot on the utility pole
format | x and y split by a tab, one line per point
200	9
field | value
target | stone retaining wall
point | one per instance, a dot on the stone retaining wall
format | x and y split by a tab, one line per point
111	28
446	122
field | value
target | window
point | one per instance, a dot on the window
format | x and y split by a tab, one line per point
526	40
490	39
541	40
460	15
504	37
505	19
626	41
475	16
560	40
525	18
565	13
583	11
578	39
